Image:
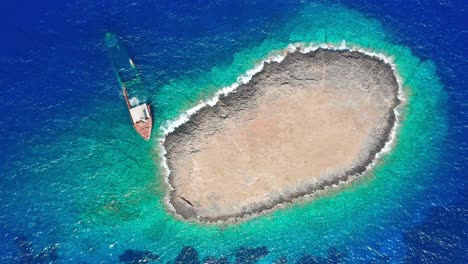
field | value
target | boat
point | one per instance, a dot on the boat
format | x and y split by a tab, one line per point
129	77
140	116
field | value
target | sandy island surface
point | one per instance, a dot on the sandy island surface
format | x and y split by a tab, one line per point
308	122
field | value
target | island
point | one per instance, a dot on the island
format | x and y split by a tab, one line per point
309	122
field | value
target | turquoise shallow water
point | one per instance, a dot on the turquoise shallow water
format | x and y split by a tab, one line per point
95	190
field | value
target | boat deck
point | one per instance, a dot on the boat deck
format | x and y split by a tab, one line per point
142	121
139	113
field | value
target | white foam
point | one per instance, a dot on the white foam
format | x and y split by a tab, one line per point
278	56
134	101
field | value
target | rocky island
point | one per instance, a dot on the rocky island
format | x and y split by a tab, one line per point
311	121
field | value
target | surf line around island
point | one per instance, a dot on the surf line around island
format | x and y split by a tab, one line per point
278	56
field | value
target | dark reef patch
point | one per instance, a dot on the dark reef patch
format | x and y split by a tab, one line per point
250	255
137	256
281	260
188	255
27	255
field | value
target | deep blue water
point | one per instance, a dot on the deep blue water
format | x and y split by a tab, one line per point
53	65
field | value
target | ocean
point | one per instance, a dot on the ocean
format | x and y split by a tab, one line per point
78	185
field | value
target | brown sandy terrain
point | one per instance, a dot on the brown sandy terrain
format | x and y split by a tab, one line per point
300	125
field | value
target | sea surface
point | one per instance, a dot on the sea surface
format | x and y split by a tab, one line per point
78	185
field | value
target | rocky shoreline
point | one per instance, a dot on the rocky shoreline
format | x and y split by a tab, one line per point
220	162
